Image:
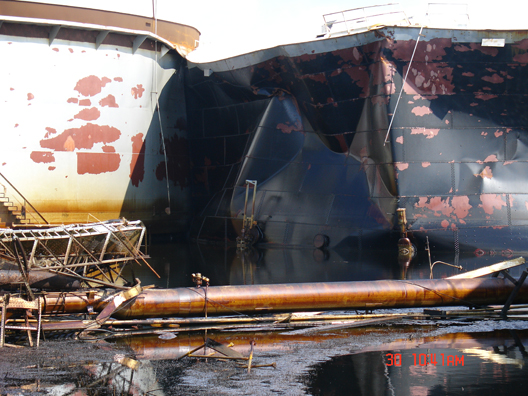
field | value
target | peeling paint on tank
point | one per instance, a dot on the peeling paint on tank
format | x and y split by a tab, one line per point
137	91
486	173
91	85
85	102
490	202
137	164
97	163
498	133
421	111
350	56
42	157
50	131
435	204
109	101
91	114
288	128
491	158
428	133
494	79
484	96
72	100
401	166
399	139
461	206
82	138
426	164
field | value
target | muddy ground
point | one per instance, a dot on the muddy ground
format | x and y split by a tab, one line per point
70	366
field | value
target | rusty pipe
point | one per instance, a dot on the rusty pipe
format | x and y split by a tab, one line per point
225	300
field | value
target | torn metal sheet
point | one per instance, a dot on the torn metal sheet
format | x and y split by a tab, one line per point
308	122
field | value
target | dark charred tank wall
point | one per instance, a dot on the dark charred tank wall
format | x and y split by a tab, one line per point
308	122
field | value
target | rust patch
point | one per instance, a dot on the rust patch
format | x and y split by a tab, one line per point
483	96
118	79
486	173
468	74
491	158
399	139
461	206
401	166
287	128
51	131
52	168
30	96
495	79
523	44
55	49
426	164
352	55
319	77
421	111
490	202
42	157
91	85
435	204
108	149
428	133
109	101
137	92
444	223
88	114
85	102
522	58
97	163
82	138
498	133
73	100
137	164
71	50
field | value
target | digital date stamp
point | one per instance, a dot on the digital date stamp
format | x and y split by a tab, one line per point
426	359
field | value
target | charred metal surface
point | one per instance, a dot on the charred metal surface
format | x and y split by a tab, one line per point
308	122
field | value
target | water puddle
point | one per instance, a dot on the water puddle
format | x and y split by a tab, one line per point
489	363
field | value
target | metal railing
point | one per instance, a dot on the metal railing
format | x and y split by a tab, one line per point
17	205
348	21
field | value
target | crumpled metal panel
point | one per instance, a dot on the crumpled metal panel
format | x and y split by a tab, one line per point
454	159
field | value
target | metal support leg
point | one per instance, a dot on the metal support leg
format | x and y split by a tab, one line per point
3	320
513	294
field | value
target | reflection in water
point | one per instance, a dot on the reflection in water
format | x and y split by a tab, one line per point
176	261
459	364
490	363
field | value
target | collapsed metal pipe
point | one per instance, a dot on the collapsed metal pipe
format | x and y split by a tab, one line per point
226	300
